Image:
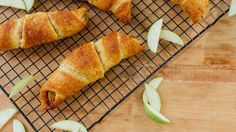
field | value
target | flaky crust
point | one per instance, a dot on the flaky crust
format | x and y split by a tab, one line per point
10	34
37	30
85	65
41	28
64	84
129	45
120	8
102	4
86	62
109	50
67	23
196	9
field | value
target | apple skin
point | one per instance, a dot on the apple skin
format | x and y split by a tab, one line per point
20	85
152	101
69	125
153	97
154	114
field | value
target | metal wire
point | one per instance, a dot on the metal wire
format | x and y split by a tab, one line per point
97	100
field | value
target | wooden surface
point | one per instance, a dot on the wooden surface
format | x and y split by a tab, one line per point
198	93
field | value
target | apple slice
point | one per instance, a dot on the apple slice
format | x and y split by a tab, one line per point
152	113
5	115
172	37
29	4
20	85
155	82
153	97
154	35
232	10
68	125
18	126
13	3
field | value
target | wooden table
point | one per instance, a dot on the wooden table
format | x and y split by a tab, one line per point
198	93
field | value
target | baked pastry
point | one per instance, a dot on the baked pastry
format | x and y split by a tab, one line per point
120	8
196	9
41	28
85	65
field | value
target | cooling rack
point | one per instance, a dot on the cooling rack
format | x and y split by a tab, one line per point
97	100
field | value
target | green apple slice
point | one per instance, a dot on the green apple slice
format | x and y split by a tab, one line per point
172	37
68	125
153	97
5	115
18	126
20	85
13	3
152	113
155	82
232	10
29	4
154	35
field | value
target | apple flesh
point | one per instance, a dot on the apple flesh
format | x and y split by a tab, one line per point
13	3
155	82
171	37
154	35
232	10
20	85
5	115
154	114
29	4
153	97
152	101
68	125
19	4
18	126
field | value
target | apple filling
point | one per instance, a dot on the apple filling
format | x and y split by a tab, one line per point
50	98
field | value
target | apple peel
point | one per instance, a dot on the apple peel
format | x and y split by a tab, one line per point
171	37
6	114
232	10
154	35
69	125
20	85
152	101
154	114
152	97
18	126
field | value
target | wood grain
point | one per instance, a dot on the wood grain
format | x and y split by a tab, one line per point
198	93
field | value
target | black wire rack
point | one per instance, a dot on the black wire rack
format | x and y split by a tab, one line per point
97	100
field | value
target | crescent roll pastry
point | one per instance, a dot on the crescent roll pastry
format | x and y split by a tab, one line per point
196	9
41	28
120	8
85	65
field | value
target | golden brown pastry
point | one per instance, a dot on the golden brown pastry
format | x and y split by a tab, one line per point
41	28
85	65
196	9
120	8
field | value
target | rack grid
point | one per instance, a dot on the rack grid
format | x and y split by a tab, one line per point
97	100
